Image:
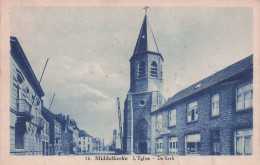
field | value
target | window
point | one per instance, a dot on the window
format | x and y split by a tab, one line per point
20	77
216	143
243	142
141	70
47	128
215	105
244	96
173	145
141	103
172	117
159	122
192	114
20	129
159	145
192	144
153	69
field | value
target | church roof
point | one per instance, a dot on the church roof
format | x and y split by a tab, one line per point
146	40
226	73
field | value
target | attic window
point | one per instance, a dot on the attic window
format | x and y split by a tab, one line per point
198	86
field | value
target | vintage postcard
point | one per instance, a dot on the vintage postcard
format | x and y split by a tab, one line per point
120	82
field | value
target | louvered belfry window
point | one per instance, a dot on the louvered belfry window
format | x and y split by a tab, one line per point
141	70
153	69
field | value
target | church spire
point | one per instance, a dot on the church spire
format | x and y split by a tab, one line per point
146	41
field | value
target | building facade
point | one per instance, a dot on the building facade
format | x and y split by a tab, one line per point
54	123
73	131
145	94
65	137
45	138
85	142
211	117
26	121
34	129
96	144
116	143
57	135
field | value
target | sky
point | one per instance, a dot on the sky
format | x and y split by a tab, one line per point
89	50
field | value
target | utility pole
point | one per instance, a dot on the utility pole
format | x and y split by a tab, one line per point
51	101
39	83
120	122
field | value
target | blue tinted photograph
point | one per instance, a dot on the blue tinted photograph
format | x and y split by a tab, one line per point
131	81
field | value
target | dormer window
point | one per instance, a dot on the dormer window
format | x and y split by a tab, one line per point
197	86
153	69
141	70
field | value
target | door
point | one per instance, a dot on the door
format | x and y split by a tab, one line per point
142	147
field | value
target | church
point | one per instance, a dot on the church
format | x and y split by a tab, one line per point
211	117
145	93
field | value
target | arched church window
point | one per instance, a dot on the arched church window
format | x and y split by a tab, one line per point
153	72
141	70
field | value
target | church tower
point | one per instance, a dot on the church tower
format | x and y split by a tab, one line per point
145	94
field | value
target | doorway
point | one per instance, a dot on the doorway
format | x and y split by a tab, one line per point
142	147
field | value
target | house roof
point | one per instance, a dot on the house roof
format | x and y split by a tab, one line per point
19	56
48	115
228	72
83	133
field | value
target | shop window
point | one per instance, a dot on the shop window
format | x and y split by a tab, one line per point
243	142
159	145
193	144
173	145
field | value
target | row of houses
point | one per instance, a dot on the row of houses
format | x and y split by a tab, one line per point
211	117
34	129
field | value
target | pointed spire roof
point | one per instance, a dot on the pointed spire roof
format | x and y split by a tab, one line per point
146	40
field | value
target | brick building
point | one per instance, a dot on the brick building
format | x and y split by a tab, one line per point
65	136
211	117
73	131
55	131
145	93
